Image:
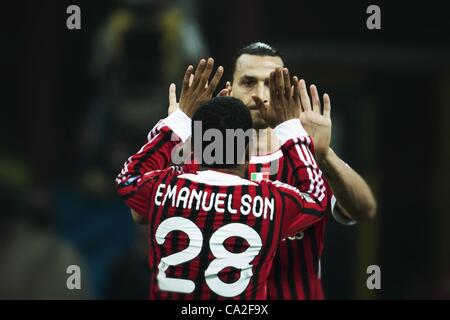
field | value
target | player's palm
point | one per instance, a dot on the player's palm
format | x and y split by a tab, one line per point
173	102
316	122
319	128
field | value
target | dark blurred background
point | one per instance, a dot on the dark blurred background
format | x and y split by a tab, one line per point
77	103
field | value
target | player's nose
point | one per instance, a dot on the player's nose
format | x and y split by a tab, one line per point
262	92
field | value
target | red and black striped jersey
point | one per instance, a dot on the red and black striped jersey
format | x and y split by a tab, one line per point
296	270
214	235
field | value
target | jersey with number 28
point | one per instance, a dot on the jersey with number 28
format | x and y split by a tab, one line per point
213	235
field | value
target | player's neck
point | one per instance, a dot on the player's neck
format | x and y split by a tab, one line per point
265	142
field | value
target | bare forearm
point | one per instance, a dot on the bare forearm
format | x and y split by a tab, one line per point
351	191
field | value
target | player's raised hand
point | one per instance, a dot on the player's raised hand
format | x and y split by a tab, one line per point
198	90
173	103
284	99
317	122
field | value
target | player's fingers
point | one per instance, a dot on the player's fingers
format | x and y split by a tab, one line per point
326	105
279	82
187	76
274	99
272	88
215	80
306	104
206	73
315	99
296	93
191	78
172	94
198	73
287	83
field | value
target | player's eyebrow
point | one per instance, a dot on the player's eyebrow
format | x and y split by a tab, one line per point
247	77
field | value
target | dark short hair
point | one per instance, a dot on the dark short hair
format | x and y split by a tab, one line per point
257	49
222	113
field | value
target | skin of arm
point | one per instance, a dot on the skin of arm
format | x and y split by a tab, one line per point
354	197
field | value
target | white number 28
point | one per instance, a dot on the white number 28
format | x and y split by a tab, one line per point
223	257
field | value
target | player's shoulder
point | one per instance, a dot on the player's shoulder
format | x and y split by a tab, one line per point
170	171
280	186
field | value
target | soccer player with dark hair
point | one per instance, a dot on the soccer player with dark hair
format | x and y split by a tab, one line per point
296	272
212	233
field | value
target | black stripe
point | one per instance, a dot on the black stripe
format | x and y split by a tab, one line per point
283	209
284	171
304	271
314	249
291	270
277	276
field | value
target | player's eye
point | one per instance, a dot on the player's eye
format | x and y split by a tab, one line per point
247	82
